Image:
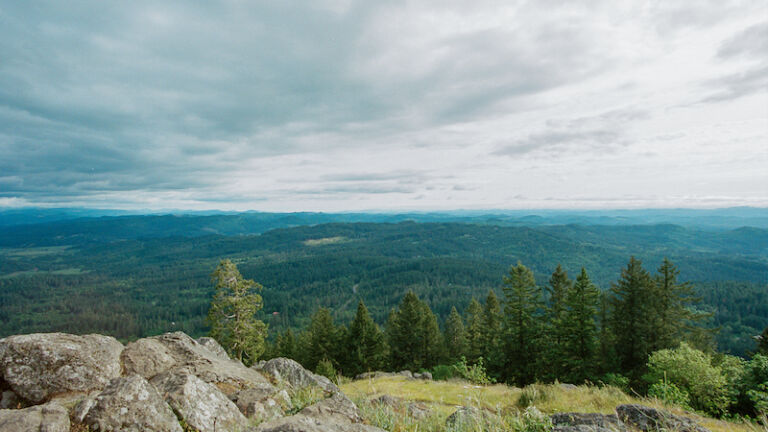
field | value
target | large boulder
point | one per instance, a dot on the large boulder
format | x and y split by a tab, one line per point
37	366
213	346
262	403
564	422
179	353
468	418
651	419
9	400
40	418
202	406
337	408
287	371
128	404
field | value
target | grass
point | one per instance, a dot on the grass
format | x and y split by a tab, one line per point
509	408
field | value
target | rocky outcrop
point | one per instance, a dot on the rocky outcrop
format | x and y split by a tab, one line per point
179	353
649	419
128	404
412	409
405	373
468	417
213	346
336	413
41	418
262	403
289	372
9	400
201	405
37	366
573	422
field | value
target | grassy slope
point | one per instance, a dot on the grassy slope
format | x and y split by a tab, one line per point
443	397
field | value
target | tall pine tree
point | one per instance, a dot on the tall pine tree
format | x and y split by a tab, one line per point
555	331
522	325
455	337
474	330
492	335
322	339
580	338
367	348
631	307
415	340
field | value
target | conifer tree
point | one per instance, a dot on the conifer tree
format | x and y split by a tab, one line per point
555	333
580	338
368	350
433	344
522	328
285	345
631	307
474	331
232	315
606	339
671	315
455	337
415	340
322	339
491	335
762	343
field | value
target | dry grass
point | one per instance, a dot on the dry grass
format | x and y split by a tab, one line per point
443	397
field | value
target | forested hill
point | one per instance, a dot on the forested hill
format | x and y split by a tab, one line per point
129	287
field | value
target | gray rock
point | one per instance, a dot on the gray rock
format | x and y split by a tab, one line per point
423	376
213	346
468	417
79	411
201	405
290	372
649	419
9	400
568	387
413	409
580	428
41	418
302	423
406	373
337	408
593	421
128	404
179	353
37	366
262	403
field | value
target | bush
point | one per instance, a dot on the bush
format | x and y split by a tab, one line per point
669	393
325	368
616	380
692	371
442	372
532	394
475	373
753	387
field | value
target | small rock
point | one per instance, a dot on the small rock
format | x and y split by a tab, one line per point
128	404
50	417
423	375
649	419
9	400
467	417
568	387
39	365
302	423
337	408
201	405
292	373
406	373
263	403
607	422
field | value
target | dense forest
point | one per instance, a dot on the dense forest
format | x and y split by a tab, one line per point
121	276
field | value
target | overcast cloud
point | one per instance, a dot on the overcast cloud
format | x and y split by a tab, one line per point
343	105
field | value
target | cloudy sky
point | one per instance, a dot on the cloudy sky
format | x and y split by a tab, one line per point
342	105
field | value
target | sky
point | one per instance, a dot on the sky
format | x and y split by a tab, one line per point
339	105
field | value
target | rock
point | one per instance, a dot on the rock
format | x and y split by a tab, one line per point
290	372
128	404
650	419
418	410
413	409
213	346
202	406
390	401
467	417
302	423
568	387
180	353
580	428
337	408
50	417
424	376
262	403
9	400
406	373
594	421
78	413
37	366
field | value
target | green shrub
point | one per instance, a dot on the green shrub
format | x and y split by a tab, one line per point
442	372
692	371
752	387
670	393
475	373
326	369
616	380
304	397
533	394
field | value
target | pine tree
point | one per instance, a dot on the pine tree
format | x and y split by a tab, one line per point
455	337
522	305
285	345
474	331
671	315
491	335
232	315
555	330
631	307
580	338
606	339
368	350
762	343
322	339
414	335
